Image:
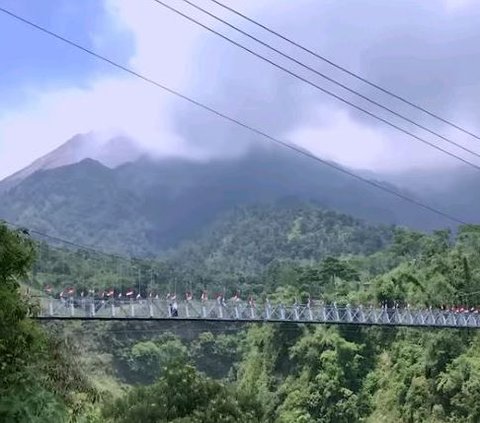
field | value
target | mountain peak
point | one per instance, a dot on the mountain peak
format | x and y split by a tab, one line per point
111	153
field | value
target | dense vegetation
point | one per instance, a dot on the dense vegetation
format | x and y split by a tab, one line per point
238	251
146	207
39	378
265	373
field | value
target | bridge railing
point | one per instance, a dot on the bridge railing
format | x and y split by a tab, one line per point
242	311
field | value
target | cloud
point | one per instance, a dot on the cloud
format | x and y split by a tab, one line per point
426	51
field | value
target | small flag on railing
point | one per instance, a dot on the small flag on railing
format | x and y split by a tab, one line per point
110	293
119	295
70	291
189	296
129	293
204	296
174	297
138	296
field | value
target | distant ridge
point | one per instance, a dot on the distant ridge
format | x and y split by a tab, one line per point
112	153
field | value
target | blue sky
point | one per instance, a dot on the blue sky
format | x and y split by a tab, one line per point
30	58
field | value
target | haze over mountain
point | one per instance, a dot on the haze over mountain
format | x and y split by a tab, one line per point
145	205
111	153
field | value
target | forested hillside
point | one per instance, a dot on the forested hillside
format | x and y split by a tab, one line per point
231	253
149	206
170	372
247	240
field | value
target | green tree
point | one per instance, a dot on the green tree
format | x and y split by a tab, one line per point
149	359
39	381
183	395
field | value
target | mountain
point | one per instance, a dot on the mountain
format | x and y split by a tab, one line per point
111	153
246	240
147	206
454	190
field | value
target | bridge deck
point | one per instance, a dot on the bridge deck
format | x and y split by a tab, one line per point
156	309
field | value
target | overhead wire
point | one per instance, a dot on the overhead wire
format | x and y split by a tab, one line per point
324	90
328	78
231	119
63	241
345	70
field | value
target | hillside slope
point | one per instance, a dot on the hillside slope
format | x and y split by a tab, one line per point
149	206
247	240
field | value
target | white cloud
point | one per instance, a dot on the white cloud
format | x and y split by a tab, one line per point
457	5
353	143
108	104
166	48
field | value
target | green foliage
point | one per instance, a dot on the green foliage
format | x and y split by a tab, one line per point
248	240
277	374
39	382
150	359
182	394
216	355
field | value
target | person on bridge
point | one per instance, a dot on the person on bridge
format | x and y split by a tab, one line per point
174	309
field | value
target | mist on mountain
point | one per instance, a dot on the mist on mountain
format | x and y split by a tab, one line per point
130	202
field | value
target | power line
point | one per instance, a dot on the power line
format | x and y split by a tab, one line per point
236	121
330	79
330	93
63	241
347	71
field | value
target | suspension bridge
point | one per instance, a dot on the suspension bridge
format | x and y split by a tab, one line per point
215	310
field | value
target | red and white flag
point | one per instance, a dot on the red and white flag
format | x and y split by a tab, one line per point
110	293
204	296
138	296
119	295
174	297
129	293
70	291
189	296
